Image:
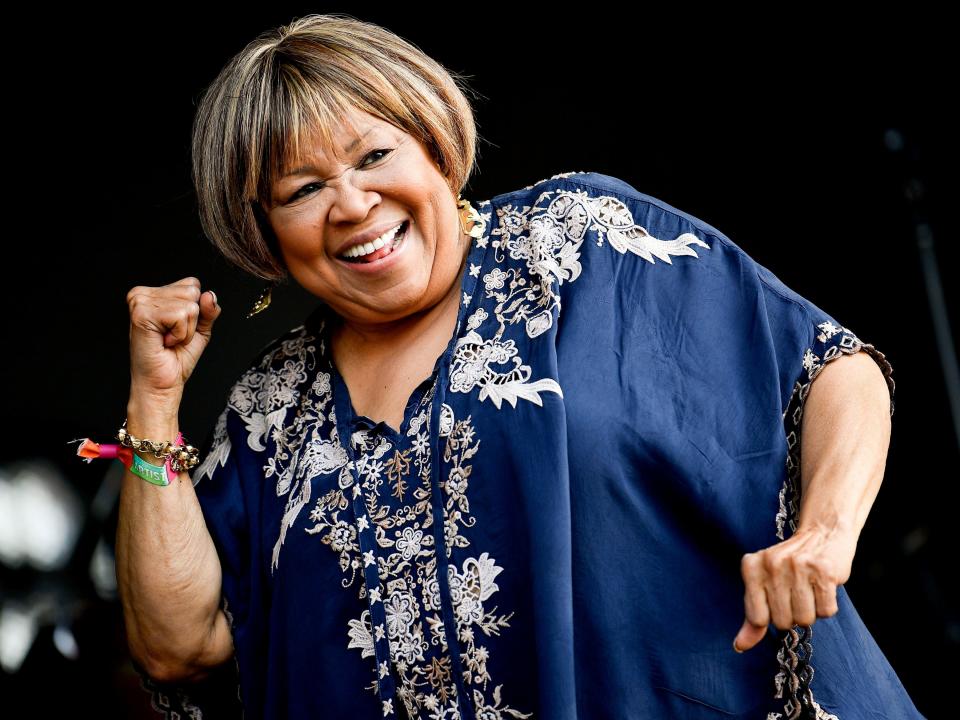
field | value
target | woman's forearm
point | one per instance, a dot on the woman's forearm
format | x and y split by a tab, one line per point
845	435
168	572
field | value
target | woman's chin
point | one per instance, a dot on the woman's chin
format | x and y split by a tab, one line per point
390	304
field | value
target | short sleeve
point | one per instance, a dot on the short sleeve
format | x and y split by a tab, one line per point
806	340
827	339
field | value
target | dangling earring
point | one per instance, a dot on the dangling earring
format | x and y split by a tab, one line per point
263	302
468	214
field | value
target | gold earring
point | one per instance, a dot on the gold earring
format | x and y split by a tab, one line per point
468	214
263	302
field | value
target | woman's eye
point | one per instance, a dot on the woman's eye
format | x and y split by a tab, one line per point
374	153
304	190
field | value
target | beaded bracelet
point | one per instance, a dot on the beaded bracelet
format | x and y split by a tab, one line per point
177	456
181	457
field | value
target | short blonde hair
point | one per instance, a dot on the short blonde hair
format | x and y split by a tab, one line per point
296	81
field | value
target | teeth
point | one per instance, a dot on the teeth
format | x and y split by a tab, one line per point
367	248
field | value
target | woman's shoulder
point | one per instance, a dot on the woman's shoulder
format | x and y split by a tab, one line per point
590	224
610	198
261	398
273	376
290	348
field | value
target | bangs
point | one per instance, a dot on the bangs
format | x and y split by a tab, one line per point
302	115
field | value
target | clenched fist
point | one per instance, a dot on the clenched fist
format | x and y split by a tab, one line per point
794	582
170	327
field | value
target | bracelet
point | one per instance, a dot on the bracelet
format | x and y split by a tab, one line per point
180	457
177	456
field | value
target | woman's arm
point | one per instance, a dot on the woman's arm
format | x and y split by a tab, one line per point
168	572
845	434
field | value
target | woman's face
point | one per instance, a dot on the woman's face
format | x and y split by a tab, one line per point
377	178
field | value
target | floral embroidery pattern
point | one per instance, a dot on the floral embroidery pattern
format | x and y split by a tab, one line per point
458	451
263	398
395	488
397	499
547	237
475	584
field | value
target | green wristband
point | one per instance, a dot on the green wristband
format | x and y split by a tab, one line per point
156	474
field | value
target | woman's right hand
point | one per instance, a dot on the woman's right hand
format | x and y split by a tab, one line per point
170	327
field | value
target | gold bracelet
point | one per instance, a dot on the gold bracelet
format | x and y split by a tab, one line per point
182	457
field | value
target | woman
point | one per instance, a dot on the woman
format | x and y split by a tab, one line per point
532	456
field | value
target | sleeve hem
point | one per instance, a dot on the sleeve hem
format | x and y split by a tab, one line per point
849	345
885	367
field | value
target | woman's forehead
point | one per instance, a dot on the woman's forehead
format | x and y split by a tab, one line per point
339	140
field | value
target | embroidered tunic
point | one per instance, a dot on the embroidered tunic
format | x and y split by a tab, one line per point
555	530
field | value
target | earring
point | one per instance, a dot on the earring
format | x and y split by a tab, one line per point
263	302
468	214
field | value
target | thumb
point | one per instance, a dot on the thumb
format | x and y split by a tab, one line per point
209	311
748	636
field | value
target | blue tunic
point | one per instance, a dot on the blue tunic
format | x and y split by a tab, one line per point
555	530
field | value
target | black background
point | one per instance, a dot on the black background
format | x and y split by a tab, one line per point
770	129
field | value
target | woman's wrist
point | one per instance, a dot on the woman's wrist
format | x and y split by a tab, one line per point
150	399
151	419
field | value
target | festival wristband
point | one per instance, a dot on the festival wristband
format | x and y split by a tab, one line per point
156	474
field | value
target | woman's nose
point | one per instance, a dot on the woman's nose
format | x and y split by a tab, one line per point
352	201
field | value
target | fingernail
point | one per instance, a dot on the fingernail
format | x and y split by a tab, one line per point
735	646
214	297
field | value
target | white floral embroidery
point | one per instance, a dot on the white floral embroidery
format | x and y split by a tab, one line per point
410	590
548	237
267	399
219	450
495	712
476	319
361	636
827	331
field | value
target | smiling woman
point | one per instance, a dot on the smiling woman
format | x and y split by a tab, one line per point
533	456
276	104
327	221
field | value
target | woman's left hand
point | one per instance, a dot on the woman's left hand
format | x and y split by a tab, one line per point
794	582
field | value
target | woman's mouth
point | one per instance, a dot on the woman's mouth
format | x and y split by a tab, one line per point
388	245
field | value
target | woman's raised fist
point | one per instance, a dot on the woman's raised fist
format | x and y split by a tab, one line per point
170	327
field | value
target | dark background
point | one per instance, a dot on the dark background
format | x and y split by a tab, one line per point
775	135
